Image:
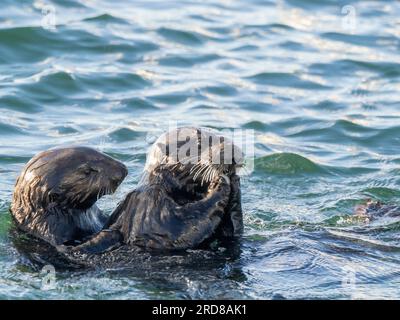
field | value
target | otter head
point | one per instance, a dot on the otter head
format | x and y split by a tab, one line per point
66	178
219	156
195	157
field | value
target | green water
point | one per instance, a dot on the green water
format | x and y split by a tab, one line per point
320	92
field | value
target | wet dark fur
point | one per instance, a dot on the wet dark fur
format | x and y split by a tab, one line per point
36	253
150	218
175	209
55	195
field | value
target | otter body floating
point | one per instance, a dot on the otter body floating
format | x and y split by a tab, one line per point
189	195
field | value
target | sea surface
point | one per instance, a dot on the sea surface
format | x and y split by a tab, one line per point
318	82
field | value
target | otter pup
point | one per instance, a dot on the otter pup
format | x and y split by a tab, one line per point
55	195
189	195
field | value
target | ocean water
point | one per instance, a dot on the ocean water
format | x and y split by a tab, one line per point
318	82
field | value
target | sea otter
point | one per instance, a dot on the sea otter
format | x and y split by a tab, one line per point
188	196
372	210
55	195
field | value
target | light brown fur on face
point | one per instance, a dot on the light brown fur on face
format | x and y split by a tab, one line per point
202	154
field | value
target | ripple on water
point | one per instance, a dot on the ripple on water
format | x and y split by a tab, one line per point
184	61
65	130
50	88
360	40
10	130
106	18
221	90
256	125
61	82
329	106
19	45
171	98
19	103
189	38
287	163
125	134
8	159
347	131
280	79
138	104
383	194
346	67
113	82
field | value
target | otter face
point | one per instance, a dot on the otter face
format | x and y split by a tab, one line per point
194	158
201	153
222	157
73	177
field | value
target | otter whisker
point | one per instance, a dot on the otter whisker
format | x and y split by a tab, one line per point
199	165
206	174
211	174
214	173
197	171
194	168
98	194
200	171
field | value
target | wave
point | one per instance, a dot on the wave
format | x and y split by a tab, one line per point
281	79
60	83
10	130
187	60
105	18
124	134
288	164
20	44
360	40
181	37
9	159
384	194
342	67
19	103
138	104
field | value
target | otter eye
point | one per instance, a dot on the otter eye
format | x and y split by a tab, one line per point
88	170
